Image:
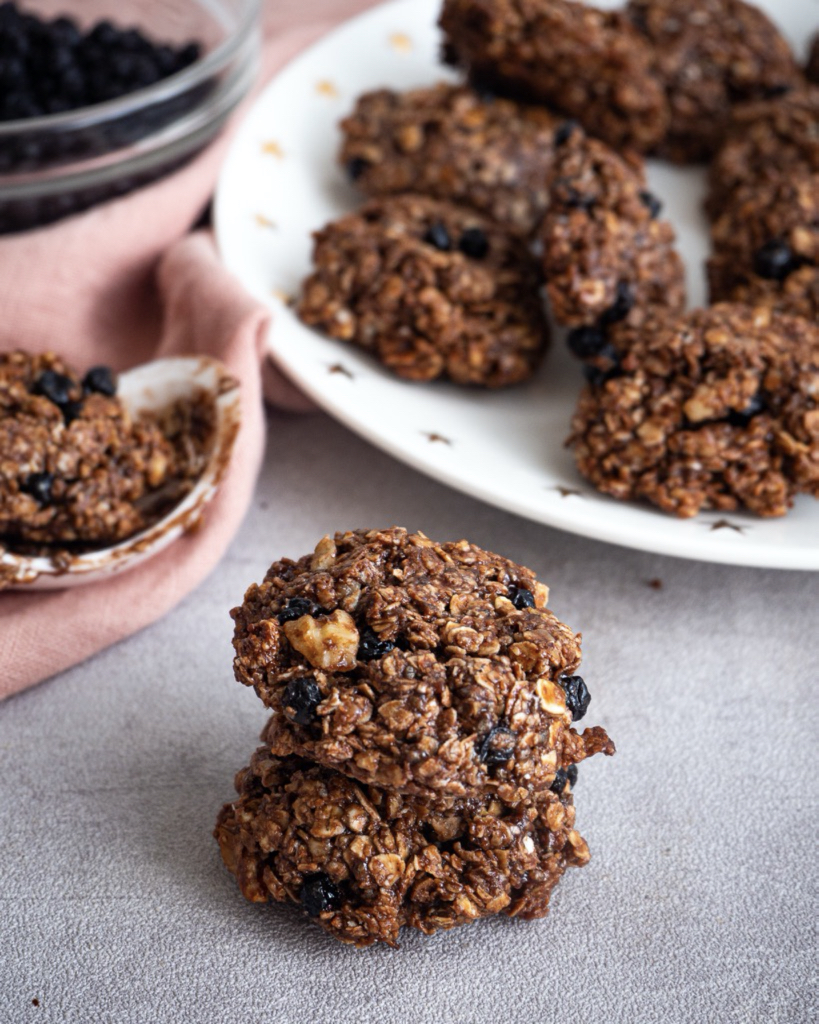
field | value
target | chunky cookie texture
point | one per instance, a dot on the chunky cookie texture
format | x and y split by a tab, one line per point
710	55
448	143
431	289
766	247
765	141
607	254
431	669
718	409
74	466
592	65
364	862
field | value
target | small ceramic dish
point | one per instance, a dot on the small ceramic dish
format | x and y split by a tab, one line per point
153	387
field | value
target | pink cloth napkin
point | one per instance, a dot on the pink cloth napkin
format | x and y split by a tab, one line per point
120	284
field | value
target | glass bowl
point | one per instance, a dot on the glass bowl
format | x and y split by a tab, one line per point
59	164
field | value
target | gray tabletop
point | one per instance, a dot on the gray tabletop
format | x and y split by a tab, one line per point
698	904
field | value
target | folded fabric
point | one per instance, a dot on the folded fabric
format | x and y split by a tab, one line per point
120	284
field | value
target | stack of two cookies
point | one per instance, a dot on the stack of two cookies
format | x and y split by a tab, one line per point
419	763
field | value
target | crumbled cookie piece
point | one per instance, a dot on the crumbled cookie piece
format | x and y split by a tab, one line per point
591	65
74	466
431	289
607	255
765	141
718	409
449	143
464	682
364	862
710	55
766	247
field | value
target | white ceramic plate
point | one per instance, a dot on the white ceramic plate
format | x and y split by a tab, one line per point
280	182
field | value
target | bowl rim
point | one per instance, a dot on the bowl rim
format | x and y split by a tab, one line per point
164	89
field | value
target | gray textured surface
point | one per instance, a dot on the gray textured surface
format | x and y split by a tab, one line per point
698	905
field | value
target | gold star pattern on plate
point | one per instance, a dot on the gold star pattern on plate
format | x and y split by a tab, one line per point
437	437
723	524
339	368
264	222
325	88
566	492
282	296
401	42
272	148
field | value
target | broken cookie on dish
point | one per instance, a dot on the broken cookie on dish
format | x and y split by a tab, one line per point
75	467
364	862
431	289
765	141
718	409
589	64
710	55
431	669
766	247
450	143
607	254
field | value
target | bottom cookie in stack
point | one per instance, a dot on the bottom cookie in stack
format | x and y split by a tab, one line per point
365	861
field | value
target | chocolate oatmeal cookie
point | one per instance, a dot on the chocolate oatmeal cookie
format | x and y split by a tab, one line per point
607	255
447	142
431	289
364	862
432	669
74	466
765	141
766	247
710	55
718	409
591	65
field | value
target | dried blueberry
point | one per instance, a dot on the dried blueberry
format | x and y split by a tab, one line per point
775	260
39	485
100	379
295	608
597	376
576	200
741	418
624	300
371	646
474	243
521	597
301	698
319	894
356	167
562	776
564	131
652	204
71	411
56	387
586	341
497	746
577	695
438	236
